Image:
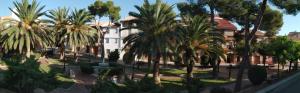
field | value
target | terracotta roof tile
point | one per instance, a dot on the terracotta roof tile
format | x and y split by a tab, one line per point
224	24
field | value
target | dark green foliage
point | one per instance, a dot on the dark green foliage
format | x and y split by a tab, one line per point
25	75
101	9
204	61
257	75
146	85
194	86
86	68
220	90
112	71
114	56
191	9
19	77
103	84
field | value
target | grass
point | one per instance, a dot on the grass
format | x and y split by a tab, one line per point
176	83
213	82
173	72
64	81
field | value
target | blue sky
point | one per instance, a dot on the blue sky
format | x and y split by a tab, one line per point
290	22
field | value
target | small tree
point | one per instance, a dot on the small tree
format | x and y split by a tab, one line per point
257	75
114	56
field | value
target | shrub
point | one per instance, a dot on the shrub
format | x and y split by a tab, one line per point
220	90
257	75
25	75
87	69
103	84
204	61
145	85
114	56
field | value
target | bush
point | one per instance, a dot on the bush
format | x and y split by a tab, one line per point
114	56
220	90
25	75
257	75
204	61
87	69
103	84
145	85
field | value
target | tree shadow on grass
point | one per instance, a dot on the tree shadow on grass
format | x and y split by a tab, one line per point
25	75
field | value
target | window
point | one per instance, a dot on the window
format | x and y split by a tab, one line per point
107	30
116	40
107	40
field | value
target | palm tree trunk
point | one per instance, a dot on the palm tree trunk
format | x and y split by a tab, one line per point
95	50
156	70
28	52
215	70
264	60
62	52
133	70
189	71
290	66
238	60
87	49
189	74
149	66
76	54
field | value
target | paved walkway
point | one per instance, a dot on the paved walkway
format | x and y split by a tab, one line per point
81	80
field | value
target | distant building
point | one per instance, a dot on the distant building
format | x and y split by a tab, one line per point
294	35
113	38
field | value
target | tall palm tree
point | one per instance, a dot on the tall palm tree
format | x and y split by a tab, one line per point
197	38
59	20
79	32
27	32
155	22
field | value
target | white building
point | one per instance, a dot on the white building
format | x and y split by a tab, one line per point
113	39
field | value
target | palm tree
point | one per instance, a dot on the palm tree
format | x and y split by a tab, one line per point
79	32
59	19
27	32
155	22
197	38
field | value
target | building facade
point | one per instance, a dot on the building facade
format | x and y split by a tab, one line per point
294	36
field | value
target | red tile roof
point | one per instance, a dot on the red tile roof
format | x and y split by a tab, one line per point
224	24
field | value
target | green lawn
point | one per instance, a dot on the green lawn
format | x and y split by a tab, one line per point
177	84
61	80
174	72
